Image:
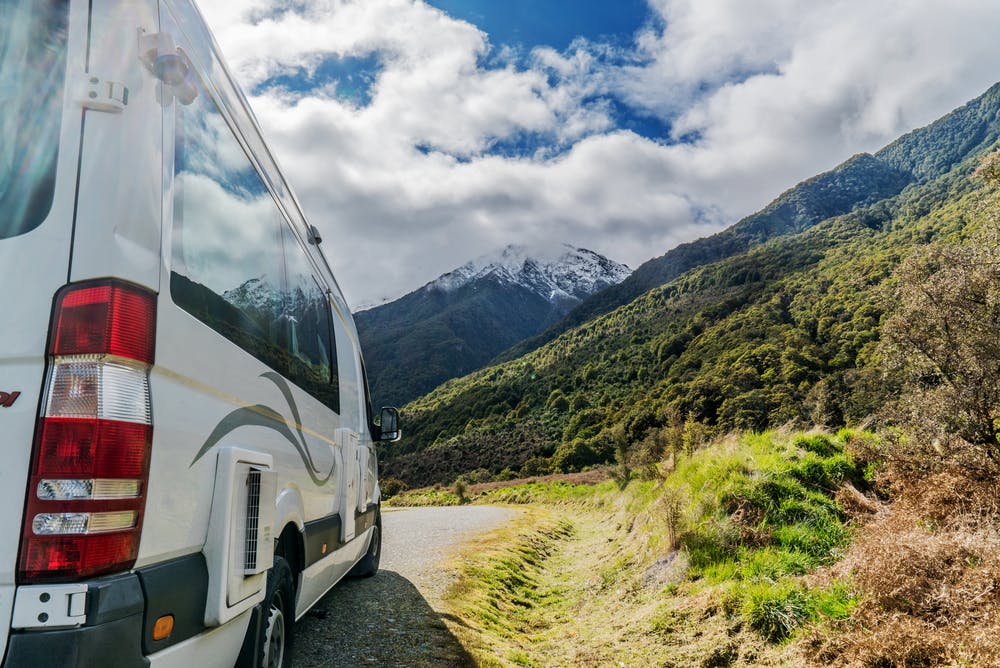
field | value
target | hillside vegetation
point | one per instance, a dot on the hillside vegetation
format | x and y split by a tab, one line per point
783	329
706	567
782	333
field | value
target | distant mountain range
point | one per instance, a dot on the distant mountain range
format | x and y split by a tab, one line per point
463	319
768	322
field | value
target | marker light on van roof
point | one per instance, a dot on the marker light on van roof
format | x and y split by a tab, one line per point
90	467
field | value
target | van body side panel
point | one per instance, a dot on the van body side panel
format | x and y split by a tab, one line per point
119	210
214	384
34	258
203	402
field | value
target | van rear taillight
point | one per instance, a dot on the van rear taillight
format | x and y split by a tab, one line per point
90	466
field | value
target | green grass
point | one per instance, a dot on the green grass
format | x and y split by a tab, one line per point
761	514
506	584
752	514
427	496
776	610
555	493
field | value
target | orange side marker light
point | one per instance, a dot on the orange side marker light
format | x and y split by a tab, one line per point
163	627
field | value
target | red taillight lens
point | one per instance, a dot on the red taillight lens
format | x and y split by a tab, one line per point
92	448
50	557
105	318
87	490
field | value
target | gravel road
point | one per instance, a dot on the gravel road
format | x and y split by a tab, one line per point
395	618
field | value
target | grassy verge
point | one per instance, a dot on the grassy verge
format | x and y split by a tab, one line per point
708	566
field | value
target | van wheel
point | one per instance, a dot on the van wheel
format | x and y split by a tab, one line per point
368	566
272	645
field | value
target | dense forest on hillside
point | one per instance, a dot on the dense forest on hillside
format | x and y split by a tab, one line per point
784	332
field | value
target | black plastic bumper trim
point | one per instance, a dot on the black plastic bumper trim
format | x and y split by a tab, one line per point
180	588
114	643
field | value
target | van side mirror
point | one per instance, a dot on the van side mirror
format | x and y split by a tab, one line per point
389	431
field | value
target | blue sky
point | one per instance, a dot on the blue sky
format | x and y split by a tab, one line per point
419	136
555	23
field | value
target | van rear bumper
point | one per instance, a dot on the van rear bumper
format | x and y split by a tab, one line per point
115	643
121	611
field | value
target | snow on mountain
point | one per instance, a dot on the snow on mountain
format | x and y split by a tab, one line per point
256	294
556	274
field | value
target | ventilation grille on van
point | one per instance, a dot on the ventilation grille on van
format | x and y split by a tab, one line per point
252	522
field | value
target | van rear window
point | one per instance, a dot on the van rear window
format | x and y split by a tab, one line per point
32	71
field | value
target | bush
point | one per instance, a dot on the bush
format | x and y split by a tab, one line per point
507	474
940	341
391	487
574	456
459	488
536	466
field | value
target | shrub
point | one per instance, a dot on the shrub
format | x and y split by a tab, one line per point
460	489
940	341
536	466
391	487
575	455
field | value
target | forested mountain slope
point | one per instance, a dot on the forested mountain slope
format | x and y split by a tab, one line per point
780	332
918	157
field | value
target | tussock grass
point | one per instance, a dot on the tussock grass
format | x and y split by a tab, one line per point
927	573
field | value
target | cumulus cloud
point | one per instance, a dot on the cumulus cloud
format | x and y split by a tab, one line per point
759	95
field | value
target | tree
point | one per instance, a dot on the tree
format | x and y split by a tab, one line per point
942	336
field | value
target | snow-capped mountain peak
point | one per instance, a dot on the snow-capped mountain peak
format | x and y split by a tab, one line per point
557	274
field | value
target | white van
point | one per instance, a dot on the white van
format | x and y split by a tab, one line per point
185	430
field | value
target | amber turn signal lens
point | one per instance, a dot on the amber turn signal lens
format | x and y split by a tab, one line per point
163	627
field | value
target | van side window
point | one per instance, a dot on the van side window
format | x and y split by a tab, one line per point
312	358
32	69
229	266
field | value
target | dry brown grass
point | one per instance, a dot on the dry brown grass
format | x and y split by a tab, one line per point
927	567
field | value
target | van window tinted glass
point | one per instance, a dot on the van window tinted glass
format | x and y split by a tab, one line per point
229	246
227	265
307	318
32	70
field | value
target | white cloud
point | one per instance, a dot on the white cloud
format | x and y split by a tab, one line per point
773	90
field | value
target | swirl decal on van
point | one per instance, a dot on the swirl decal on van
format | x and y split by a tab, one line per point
265	416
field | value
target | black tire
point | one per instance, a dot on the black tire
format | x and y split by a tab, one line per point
269	640
368	566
